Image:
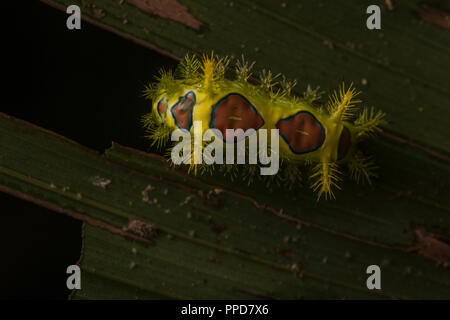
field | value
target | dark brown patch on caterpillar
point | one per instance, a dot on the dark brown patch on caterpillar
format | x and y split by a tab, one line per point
162	107
234	111
182	111
302	132
344	143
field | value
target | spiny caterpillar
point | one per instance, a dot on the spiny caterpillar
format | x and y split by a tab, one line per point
319	137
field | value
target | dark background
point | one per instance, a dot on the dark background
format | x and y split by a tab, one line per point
83	84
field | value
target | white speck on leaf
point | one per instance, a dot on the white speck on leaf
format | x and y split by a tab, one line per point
99	181
145	197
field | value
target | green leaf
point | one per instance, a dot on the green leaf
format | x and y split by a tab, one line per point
214	238
199	240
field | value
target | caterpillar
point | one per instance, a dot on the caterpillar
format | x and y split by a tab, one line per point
318	137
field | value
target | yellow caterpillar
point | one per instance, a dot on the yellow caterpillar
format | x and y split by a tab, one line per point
320	137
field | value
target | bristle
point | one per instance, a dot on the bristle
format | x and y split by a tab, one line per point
311	95
243	69
150	91
268	79
158	131
342	105
205	169
189	68
167	85
326	176
368	122
213	69
287	85
230	170
250	172
362	168
290	173
193	168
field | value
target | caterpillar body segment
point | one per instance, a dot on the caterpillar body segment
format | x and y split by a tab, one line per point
319	138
